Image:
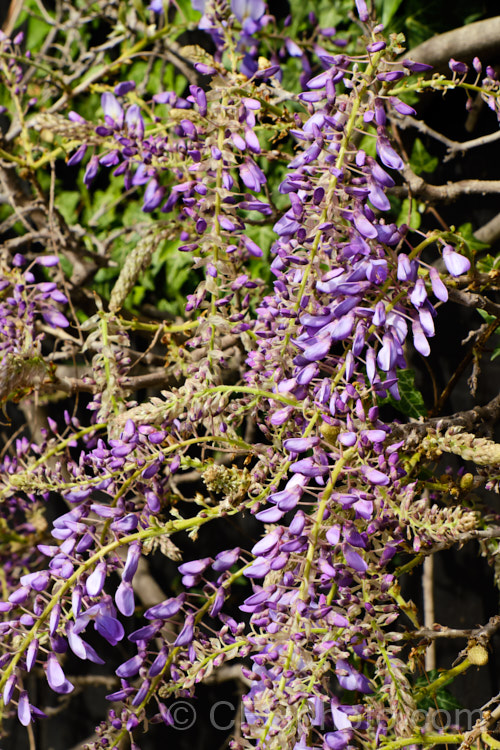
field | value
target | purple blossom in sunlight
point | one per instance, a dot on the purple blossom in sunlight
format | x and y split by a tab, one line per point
56	677
103	616
186	635
362	10
416	67
24	709
113	112
350	679
338	740
249	13
455	263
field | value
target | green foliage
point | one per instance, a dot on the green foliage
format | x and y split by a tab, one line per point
491	319
469	239
411	403
489	264
329	14
421	160
409	214
441	700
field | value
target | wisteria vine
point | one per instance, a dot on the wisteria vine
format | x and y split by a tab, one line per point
270	400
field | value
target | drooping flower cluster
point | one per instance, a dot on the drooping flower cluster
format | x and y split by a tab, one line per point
329	492
25	304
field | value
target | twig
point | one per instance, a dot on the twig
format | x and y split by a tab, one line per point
428	597
413	432
483	337
448	193
483	633
453	147
473	300
489	232
479	38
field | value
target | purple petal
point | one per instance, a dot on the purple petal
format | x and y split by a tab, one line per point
110	628
124	599
364	226
401	107
267	544
418	294
113	113
131	563
458	67
438	287
166	609
55	674
54	318
95	582
338	740
258	569
416	67
226	560
318	350
299	445
419	340
130	668
159	663
8	689
387	155
195	567
47	260
362	10
124	87
353	680
374	476
354	559
145	633
31	655
24	709
185	637
308	467
455	263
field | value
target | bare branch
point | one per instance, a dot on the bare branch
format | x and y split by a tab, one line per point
473	300
454	147
448	193
482	633
413	432
489	232
464	43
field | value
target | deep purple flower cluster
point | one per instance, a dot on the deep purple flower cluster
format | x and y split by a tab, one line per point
25	303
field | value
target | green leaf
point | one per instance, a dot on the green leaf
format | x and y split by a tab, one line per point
369	145
488	263
490	319
411	403
486	316
467	234
409	214
442	699
389	8
67	202
421	160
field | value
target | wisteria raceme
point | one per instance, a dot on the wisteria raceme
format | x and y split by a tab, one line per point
271	395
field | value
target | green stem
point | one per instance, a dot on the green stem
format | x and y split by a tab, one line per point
443	679
427	740
171	527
